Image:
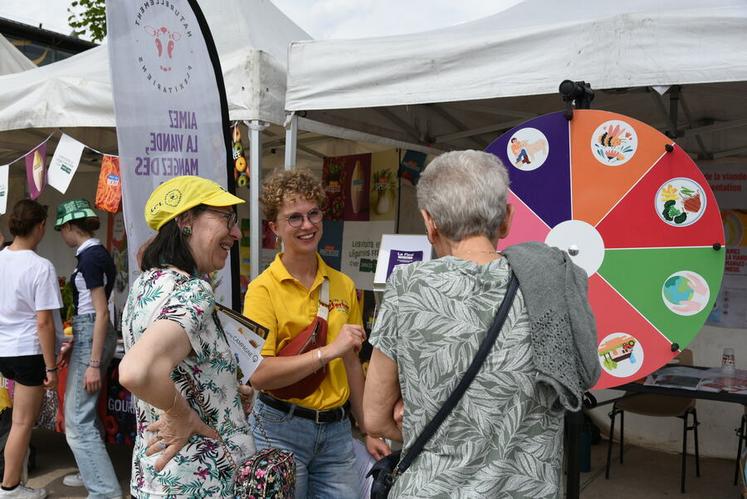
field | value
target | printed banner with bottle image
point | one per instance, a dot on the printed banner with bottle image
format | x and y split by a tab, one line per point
361	206
170	107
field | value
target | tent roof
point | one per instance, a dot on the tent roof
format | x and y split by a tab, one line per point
527	49
461	86
251	37
11	59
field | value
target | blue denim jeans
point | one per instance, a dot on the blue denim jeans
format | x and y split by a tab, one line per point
82	424
323	452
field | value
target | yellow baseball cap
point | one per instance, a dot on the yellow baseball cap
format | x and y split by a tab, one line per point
175	196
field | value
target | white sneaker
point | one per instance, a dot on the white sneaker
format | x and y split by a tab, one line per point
22	492
73	480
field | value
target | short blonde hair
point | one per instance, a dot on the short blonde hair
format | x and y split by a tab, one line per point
287	184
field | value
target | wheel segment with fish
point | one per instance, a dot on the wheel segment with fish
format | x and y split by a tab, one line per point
634	211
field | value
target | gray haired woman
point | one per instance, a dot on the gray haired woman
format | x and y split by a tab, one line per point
505	435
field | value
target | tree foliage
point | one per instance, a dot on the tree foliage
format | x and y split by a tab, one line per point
88	17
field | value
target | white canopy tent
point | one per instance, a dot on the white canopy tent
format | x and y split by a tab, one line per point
679	65
75	94
460	86
11	59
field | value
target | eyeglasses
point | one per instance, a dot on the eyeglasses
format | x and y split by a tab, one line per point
296	219
230	216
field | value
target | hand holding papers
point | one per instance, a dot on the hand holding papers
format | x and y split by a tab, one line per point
245	337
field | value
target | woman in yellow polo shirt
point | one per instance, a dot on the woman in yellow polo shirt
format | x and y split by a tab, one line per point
305	398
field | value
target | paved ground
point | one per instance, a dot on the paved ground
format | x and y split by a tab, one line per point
645	474
54	460
648	474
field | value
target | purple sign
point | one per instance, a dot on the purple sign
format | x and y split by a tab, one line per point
398	257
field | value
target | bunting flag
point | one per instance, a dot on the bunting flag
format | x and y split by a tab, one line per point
4	188
36	173
170	107
109	190
64	163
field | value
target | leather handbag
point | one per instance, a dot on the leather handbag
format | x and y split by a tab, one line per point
313	336
385	471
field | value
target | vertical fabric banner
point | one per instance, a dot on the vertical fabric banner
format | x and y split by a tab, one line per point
4	169
64	163
36	173
170	106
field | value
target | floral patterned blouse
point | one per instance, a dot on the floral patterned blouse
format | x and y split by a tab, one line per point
206	378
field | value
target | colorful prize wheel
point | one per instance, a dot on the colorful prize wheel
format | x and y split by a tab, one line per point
634	211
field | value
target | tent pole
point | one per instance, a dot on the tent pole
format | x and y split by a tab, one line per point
255	180
291	140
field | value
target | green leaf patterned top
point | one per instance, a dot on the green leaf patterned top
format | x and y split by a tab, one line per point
504	438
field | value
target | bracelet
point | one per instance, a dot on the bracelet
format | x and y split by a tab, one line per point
319	357
94	363
51	369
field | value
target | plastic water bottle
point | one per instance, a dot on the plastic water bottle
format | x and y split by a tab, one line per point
728	367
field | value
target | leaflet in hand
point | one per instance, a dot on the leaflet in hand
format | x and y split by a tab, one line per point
245	337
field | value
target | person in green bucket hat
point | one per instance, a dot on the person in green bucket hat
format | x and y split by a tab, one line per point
94	342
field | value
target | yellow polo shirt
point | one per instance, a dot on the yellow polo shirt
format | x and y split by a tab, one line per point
278	301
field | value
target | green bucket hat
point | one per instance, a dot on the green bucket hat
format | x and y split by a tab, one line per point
73	210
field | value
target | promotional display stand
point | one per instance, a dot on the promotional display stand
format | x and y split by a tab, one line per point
633	210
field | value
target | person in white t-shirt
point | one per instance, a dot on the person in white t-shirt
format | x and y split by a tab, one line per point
29	298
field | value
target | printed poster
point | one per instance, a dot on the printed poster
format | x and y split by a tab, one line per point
330	246
64	163
361	206
383	193
730	309
728	180
399	249
346	181
360	250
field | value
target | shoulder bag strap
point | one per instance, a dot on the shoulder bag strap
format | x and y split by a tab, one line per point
323	310
469	375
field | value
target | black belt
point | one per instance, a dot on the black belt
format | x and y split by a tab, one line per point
328	416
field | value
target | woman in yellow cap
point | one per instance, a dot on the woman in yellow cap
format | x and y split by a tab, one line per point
191	426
